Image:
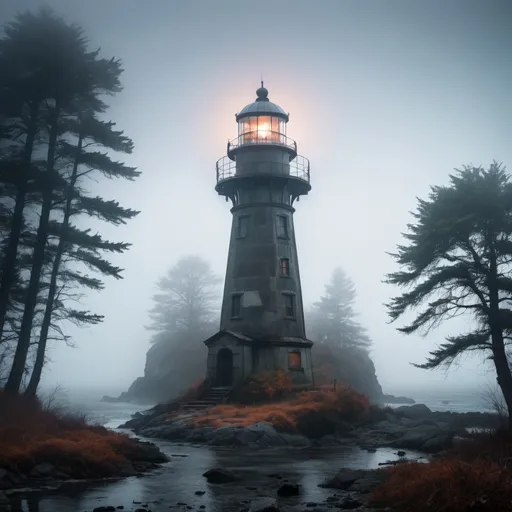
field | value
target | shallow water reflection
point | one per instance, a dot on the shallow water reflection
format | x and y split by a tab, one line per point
177	482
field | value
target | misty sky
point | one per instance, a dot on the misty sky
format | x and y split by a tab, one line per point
385	98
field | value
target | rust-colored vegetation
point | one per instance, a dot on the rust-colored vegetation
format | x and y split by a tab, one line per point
263	387
297	413
475	476
31	435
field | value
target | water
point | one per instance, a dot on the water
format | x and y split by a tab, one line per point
177	481
449	399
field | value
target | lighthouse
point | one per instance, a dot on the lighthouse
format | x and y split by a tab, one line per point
262	319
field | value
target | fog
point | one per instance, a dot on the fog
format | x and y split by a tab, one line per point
385	99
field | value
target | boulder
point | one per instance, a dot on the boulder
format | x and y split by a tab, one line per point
221	476
295	440
429	437
343	479
287	490
264	505
4	502
43	470
414	411
262	428
349	504
224	436
245	436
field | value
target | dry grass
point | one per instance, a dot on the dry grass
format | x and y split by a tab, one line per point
345	404
475	476
30	435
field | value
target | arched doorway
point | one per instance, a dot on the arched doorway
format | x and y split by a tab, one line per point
224	367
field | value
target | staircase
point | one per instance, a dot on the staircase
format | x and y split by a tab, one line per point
210	398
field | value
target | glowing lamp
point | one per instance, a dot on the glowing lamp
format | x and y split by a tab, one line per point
262	122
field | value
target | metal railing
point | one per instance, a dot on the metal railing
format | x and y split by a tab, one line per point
299	167
262	138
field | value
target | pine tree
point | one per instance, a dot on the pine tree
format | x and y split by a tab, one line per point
186	305
332	319
55	89
76	244
457	261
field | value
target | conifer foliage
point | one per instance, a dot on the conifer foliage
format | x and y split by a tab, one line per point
332	319
457	261
53	139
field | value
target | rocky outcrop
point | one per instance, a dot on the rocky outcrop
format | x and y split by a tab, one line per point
171	369
410	428
142	457
350	365
392	399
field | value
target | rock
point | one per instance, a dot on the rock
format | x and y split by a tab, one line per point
401	453
199	493
245	436
349	504
311	504
262	428
295	440
43	470
287	490
391	399
5	482
224	436
369	481
4	502
120	507
149	452
343	479
425	437
264	505
220	476
414	411
106	509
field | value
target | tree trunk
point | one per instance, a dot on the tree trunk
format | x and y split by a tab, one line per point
9	265
503	375
47	318
20	357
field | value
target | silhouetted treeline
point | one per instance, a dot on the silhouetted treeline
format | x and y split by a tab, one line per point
53	139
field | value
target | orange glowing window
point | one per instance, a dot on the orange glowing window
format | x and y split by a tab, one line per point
294	360
285	267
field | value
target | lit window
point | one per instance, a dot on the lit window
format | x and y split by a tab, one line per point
294	361
282	226
242	226
236	305
289	305
285	267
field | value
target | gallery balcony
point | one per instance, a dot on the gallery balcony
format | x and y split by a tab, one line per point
262	138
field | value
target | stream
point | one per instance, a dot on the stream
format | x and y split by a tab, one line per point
174	485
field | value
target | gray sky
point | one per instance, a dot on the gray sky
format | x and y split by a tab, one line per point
385	99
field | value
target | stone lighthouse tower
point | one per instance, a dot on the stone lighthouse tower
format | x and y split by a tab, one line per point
262	319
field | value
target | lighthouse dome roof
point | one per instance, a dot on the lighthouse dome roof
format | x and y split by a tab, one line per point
262	106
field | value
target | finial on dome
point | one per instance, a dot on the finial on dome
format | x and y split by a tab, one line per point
262	93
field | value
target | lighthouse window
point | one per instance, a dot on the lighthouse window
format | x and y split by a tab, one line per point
294	361
242	226
289	305
282	226
285	267
236	305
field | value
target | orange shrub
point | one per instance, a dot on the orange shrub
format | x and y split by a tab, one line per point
30	435
264	387
446	485
309	407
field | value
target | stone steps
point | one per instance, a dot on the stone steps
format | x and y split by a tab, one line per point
209	398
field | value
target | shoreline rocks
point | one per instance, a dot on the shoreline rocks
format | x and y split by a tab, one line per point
413	427
145	457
